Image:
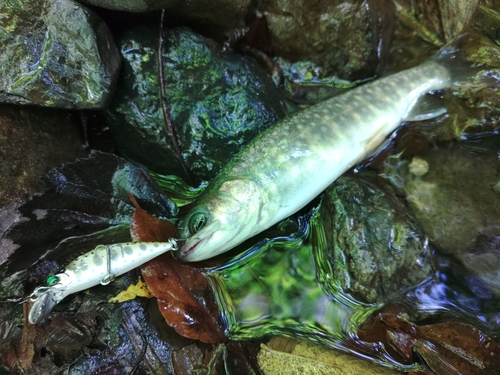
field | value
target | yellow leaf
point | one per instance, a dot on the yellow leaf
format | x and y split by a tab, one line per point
283	355
138	290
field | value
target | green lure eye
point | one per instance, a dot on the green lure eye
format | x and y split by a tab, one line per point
197	221
52	280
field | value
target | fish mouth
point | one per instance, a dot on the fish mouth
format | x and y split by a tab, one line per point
188	254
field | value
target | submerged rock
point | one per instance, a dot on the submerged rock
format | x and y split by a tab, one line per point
55	53
456	203
455	200
374	247
216	101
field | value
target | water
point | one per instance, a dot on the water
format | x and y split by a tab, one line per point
275	288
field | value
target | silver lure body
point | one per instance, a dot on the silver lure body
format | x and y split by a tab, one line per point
98	266
291	163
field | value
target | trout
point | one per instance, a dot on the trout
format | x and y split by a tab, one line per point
292	162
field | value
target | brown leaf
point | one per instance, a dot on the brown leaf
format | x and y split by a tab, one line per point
184	295
457	348
258	35
391	327
187	359
145	227
185	298
20	355
191	360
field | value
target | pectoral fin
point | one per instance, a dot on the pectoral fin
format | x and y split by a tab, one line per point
426	107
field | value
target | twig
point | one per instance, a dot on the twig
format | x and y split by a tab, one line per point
169	127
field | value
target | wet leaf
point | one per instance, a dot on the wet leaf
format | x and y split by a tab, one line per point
458	348
184	294
191	359
21	354
187	360
184	298
291	356
392	328
145	227
134	290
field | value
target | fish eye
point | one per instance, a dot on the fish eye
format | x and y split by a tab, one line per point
52	280
197	221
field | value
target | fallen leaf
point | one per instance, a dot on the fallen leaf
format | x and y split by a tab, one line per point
184	295
21	354
185	298
392	328
144	227
191	360
134	290
458	348
284	355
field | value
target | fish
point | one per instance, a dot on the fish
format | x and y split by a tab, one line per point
289	164
98	266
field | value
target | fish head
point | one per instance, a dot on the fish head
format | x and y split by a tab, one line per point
225	215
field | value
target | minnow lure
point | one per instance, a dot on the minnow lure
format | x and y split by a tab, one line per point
99	266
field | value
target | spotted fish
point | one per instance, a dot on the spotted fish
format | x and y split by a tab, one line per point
292	162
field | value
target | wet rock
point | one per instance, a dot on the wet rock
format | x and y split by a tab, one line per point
216	101
436	21
346	38
473	106
457	204
210	16
375	247
455	201
55	53
32	140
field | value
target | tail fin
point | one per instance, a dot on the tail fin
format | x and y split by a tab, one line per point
472	61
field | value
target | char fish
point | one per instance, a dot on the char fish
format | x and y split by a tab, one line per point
292	162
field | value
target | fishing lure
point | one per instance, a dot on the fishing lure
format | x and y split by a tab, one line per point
99	266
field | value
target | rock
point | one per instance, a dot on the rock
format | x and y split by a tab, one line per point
33	140
473	105
216	101
347	38
374	246
210	16
455	201
55	53
436	21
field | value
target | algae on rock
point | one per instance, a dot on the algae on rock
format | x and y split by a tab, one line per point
56	53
